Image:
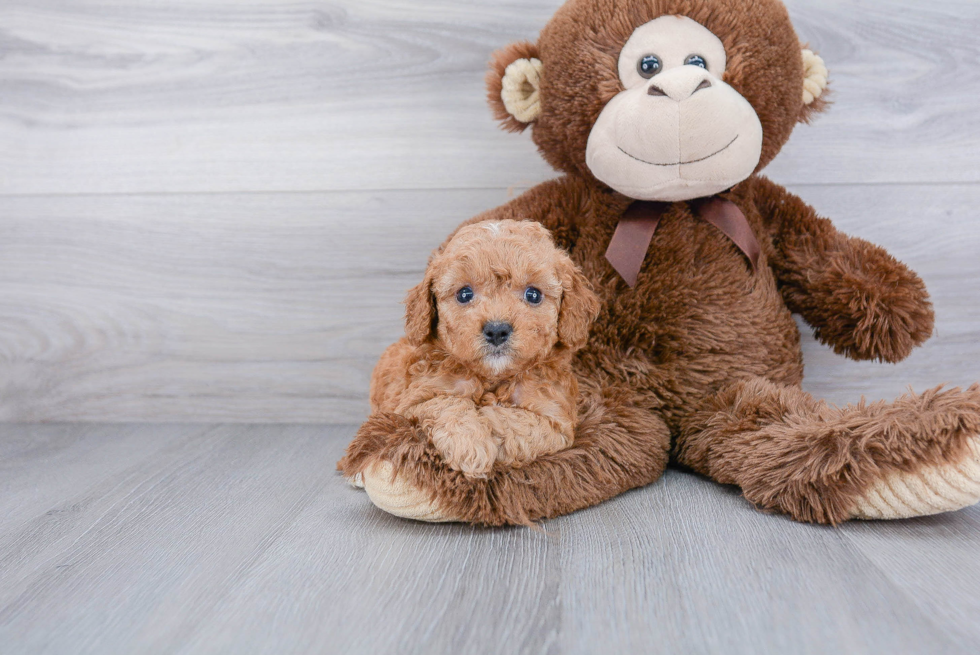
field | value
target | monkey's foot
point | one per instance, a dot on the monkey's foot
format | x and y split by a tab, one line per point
392	494
933	490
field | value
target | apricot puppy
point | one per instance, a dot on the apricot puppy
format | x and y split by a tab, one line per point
486	364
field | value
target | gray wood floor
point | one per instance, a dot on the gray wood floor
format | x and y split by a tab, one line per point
238	539
209	212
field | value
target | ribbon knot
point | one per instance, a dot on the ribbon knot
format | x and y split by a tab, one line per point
629	245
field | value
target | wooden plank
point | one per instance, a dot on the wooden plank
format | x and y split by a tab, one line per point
360	581
165	556
180	526
167	308
41	465
242	539
932	560
117	96
689	566
265	308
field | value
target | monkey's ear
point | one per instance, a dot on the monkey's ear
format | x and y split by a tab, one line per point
816	79
420	312
579	307
514	85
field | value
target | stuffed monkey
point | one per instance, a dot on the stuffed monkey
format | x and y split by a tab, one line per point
660	116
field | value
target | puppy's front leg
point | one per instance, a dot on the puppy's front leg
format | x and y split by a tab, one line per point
460	433
524	435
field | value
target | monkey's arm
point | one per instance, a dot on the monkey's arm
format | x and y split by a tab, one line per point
859	299
620	444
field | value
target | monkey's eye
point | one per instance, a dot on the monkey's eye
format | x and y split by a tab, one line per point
533	296
649	66
464	296
696	60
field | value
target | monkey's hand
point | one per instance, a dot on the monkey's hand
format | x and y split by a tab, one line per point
859	299
867	305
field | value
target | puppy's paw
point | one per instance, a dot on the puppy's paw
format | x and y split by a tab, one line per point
523	435
467	444
475	459
518	451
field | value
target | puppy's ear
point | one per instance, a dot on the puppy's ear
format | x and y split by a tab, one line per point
579	307
420	312
514	85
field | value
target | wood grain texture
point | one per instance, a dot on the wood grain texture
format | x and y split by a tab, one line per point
166	308
242	539
118	96
266	308
201	299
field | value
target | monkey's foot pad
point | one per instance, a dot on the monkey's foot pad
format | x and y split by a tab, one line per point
933	490
391	493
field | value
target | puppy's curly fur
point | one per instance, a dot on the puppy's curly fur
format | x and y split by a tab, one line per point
483	403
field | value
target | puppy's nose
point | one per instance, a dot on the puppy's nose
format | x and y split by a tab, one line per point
497	333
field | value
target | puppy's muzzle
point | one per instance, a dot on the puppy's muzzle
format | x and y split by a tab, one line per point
497	333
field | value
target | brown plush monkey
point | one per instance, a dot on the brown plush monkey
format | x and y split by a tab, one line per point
660	114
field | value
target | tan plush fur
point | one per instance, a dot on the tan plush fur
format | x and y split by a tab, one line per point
480	404
701	361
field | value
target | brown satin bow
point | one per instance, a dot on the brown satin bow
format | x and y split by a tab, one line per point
636	228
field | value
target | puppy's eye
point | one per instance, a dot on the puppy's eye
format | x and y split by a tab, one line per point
696	60
464	296
533	296
648	66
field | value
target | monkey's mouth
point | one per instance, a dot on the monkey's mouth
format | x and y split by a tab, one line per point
680	163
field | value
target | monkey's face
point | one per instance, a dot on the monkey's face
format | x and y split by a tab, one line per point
669	100
676	131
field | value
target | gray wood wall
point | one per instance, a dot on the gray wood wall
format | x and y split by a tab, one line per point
210	210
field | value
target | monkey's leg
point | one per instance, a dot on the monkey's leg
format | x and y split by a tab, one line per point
790	453
619	445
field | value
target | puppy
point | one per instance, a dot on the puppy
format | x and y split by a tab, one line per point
486	364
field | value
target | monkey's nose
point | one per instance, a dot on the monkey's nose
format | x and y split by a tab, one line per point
679	85
497	333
